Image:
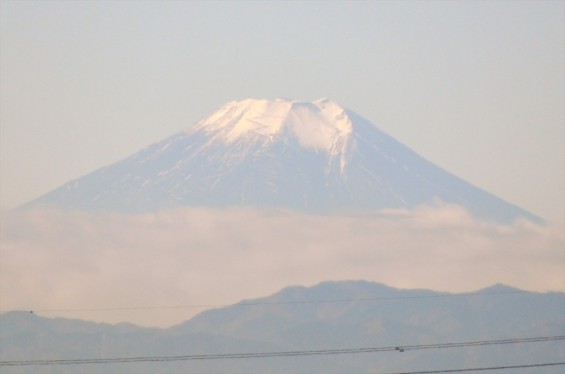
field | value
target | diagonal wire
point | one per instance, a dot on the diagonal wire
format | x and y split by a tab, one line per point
277	354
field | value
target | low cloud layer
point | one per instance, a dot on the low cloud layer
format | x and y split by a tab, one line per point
91	265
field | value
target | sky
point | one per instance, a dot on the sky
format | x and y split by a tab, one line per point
477	87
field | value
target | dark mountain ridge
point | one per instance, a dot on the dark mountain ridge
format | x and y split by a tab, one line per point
331	315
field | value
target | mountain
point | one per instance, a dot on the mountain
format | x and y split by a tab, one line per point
309	156
358	311
331	315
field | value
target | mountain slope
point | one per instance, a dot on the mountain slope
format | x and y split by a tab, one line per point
331	315
359	311
311	156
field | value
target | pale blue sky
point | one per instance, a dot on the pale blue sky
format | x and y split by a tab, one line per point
476	87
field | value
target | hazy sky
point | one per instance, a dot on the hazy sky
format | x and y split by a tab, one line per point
476	87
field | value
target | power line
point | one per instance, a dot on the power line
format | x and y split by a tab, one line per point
483	368
220	356
263	303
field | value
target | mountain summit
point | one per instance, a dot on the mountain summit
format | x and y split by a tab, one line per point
310	156
321	125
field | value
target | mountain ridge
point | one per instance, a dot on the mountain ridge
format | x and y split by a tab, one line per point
300	322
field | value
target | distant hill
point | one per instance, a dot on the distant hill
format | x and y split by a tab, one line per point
331	315
310	156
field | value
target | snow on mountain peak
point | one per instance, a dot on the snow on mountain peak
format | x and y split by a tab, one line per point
322	125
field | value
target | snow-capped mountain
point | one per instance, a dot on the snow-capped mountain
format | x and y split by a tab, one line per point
311	156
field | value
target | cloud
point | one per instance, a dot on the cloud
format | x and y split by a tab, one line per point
69	263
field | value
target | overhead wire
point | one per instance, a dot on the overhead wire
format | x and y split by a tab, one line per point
219	356
506	367
266	303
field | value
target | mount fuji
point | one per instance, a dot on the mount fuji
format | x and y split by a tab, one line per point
307	156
